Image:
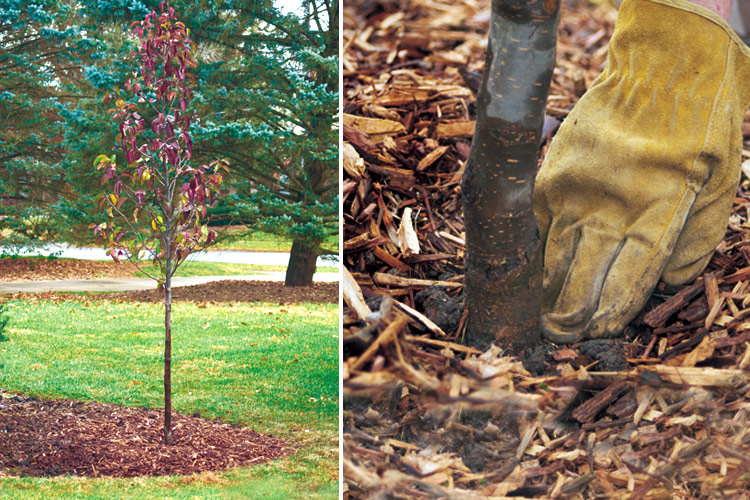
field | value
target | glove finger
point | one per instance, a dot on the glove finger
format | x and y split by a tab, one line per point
579	295
559	250
629	283
703	230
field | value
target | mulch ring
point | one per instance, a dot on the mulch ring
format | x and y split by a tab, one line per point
57	437
217	291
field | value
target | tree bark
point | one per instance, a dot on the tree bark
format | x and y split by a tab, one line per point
503	264
168	348
301	266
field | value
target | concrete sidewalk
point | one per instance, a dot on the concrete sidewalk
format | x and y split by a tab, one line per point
128	284
227	256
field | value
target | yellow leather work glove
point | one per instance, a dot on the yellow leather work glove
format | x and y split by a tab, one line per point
638	182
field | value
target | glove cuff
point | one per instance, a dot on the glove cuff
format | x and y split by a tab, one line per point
708	14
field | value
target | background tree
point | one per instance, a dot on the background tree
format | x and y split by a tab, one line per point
42	52
503	261
270	94
158	207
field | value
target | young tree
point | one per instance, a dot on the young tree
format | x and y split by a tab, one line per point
159	201
503	265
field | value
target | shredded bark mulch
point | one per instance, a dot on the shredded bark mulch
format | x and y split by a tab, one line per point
57	437
217	291
660	413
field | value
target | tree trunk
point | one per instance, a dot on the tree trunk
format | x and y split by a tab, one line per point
503	264
168	359
301	266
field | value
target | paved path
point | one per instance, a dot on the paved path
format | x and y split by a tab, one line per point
228	256
127	284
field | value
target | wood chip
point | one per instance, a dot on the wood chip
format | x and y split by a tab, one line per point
353	295
375	128
455	129
391	280
408	241
352	162
431	158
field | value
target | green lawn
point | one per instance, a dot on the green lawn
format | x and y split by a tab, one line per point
256	241
194	268
272	368
264	242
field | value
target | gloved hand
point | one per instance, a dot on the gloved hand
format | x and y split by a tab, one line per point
638	182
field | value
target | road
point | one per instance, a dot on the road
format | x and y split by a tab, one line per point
227	256
127	284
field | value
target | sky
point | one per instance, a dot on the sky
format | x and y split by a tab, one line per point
289	6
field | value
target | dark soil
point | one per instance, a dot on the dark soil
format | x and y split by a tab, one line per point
537	359
441	308
54	438
609	354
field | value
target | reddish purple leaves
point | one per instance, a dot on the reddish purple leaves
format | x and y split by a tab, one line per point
159	197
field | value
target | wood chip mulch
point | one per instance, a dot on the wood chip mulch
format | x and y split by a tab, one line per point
661	413
57	437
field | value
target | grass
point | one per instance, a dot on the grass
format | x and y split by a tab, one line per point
257	241
196	268
265	242
272	368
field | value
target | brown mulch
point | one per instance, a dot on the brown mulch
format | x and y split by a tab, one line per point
217	291
660	413
54	438
42	269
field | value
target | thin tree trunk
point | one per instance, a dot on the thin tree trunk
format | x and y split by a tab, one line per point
302	260
168	349
503	265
